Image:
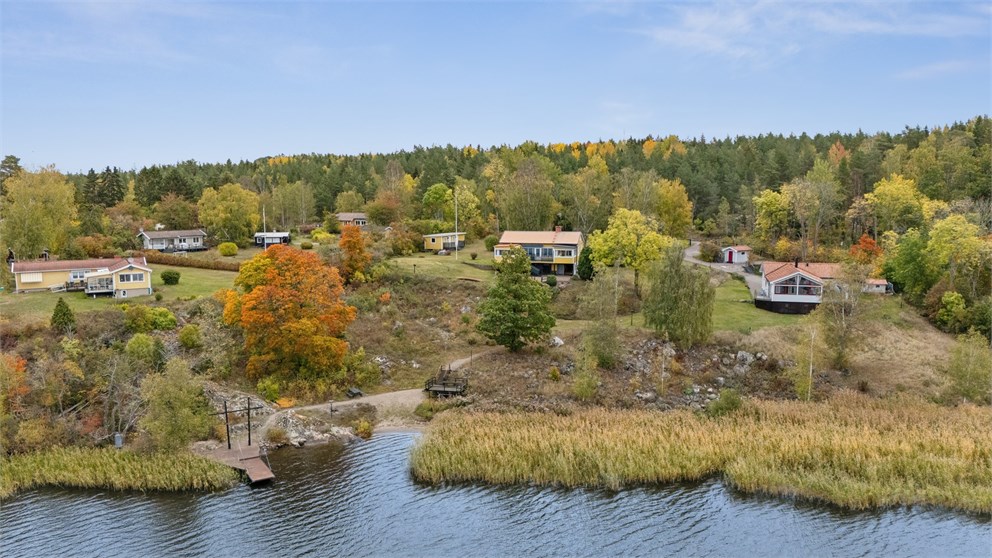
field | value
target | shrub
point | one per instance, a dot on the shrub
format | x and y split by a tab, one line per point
277	436
490	242
709	252
228	249
363	428
554	374
189	336
473	255
306	245
268	387
728	402
158	297
163	319
322	238
170	277
552	281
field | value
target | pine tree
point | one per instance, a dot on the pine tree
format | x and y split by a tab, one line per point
586	269
63	320
516	310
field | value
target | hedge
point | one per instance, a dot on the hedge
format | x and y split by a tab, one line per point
155	257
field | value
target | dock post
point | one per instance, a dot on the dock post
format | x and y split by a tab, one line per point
248	406
227	425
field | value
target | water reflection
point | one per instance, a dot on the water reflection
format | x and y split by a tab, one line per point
361	501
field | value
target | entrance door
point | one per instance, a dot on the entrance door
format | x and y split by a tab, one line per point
730	256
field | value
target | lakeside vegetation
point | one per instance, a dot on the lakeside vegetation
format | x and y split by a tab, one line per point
851	450
112	469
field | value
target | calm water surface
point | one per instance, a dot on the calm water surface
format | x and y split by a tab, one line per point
359	500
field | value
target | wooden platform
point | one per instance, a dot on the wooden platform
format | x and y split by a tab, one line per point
247	459
446	386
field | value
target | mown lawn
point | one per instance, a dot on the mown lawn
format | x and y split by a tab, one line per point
39	306
442	266
730	314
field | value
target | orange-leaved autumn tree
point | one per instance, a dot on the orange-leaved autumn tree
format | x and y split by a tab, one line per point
865	250
288	304
354	256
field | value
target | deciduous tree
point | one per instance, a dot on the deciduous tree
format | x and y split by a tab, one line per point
679	303
177	411
290	309
354	256
175	212
631	239
674	208
37	212
230	213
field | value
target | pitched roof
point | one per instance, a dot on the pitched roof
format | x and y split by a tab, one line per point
443	234
351	216
271	234
541	237
112	264
739	248
172	234
773	271
877	282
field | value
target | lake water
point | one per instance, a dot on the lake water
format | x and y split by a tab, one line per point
360	500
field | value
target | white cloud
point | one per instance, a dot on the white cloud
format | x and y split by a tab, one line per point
767	30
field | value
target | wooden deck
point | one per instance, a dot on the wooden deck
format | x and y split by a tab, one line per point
247	459
444	384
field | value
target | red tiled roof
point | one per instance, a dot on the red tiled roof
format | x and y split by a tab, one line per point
741	248
877	282
70	265
773	271
172	234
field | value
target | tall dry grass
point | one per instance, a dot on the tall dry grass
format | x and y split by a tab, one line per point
112	469
852	450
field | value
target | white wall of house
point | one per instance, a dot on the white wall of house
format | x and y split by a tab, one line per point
737	257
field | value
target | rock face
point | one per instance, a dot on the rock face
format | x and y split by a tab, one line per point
301	430
556	342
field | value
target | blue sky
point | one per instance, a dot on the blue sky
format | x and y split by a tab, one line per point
87	84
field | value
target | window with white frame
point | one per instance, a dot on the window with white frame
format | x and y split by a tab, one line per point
77	275
132	277
566	253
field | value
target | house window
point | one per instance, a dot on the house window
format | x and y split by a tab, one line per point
183	241
196	240
547	252
132	277
433	240
566	253
31	277
76	275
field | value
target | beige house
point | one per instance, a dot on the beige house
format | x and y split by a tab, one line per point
551	252
120	277
360	219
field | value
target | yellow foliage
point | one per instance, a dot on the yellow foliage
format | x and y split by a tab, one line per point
280	160
649	146
557	147
470	151
285	402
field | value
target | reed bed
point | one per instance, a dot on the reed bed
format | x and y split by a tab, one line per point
853	451
112	469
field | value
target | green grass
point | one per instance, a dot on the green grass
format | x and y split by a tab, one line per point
442	266
112	469
729	314
29	307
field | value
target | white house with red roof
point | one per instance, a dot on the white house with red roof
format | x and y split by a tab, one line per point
794	287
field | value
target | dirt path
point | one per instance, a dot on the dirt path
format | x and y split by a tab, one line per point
396	407
691	255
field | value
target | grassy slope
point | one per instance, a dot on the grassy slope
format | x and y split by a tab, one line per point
731	314
30	307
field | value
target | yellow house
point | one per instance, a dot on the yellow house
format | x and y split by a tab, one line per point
443	241
551	252
120	277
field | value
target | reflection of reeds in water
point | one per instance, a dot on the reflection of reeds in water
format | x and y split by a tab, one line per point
852	450
112	469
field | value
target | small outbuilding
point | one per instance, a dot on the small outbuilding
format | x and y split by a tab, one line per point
736	254
444	241
876	286
266	239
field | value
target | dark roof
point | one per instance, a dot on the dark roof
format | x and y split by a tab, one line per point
71	265
173	234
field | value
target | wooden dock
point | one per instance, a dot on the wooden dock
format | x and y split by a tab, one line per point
247	459
444	384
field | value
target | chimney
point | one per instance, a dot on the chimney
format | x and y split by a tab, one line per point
557	228
807	264
45	255
796	262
